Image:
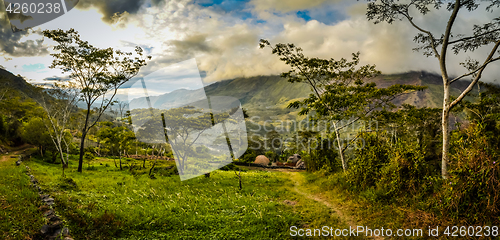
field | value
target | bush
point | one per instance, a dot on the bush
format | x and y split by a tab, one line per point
249	156
473	190
364	170
88	156
231	167
323	156
272	155
406	170
67	183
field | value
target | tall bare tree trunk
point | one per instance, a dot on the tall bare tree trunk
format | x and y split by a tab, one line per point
120	156
341	151
446	130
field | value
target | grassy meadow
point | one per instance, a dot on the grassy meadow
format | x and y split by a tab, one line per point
106	203
19	214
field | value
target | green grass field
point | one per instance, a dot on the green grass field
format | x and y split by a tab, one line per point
106	203
19	214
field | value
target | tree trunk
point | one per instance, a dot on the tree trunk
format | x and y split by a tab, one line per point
82	149
82	143
341	152
54	156
151	170
120	160
446	131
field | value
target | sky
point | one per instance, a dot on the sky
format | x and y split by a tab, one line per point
222	36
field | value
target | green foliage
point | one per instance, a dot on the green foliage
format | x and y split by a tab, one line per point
410	124
97	71
473	190
365	169
16	109
405	172
115	139
88	156
2	125
66	183
35	132
324	155
339	90
231	167
249	156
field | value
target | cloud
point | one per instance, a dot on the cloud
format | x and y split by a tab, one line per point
225	45
57	78
113	10
192	44
13	43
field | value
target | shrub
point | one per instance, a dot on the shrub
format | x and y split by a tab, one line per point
249	156
88	156
473	190
364	170
406	170
67	183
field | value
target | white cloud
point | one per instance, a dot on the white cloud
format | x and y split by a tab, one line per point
226	46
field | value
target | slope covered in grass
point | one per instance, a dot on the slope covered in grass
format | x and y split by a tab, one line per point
106	203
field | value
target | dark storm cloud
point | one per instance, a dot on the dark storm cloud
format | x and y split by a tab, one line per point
112	8
10	41
192	44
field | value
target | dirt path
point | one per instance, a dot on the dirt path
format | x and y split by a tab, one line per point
297	179
15	151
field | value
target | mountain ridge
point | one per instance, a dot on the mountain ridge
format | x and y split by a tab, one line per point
268	96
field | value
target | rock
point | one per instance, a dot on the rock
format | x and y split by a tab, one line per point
300	164
262	160
18	162
53	218
49	201
294	158
55	226
65	232
33	179
45	229
48	213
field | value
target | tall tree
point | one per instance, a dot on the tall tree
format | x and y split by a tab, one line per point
34	132
438	45
98	73
59	108
118	138
339	90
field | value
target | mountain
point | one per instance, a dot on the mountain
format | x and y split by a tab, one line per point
173	99
16	85
268	96
430	97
